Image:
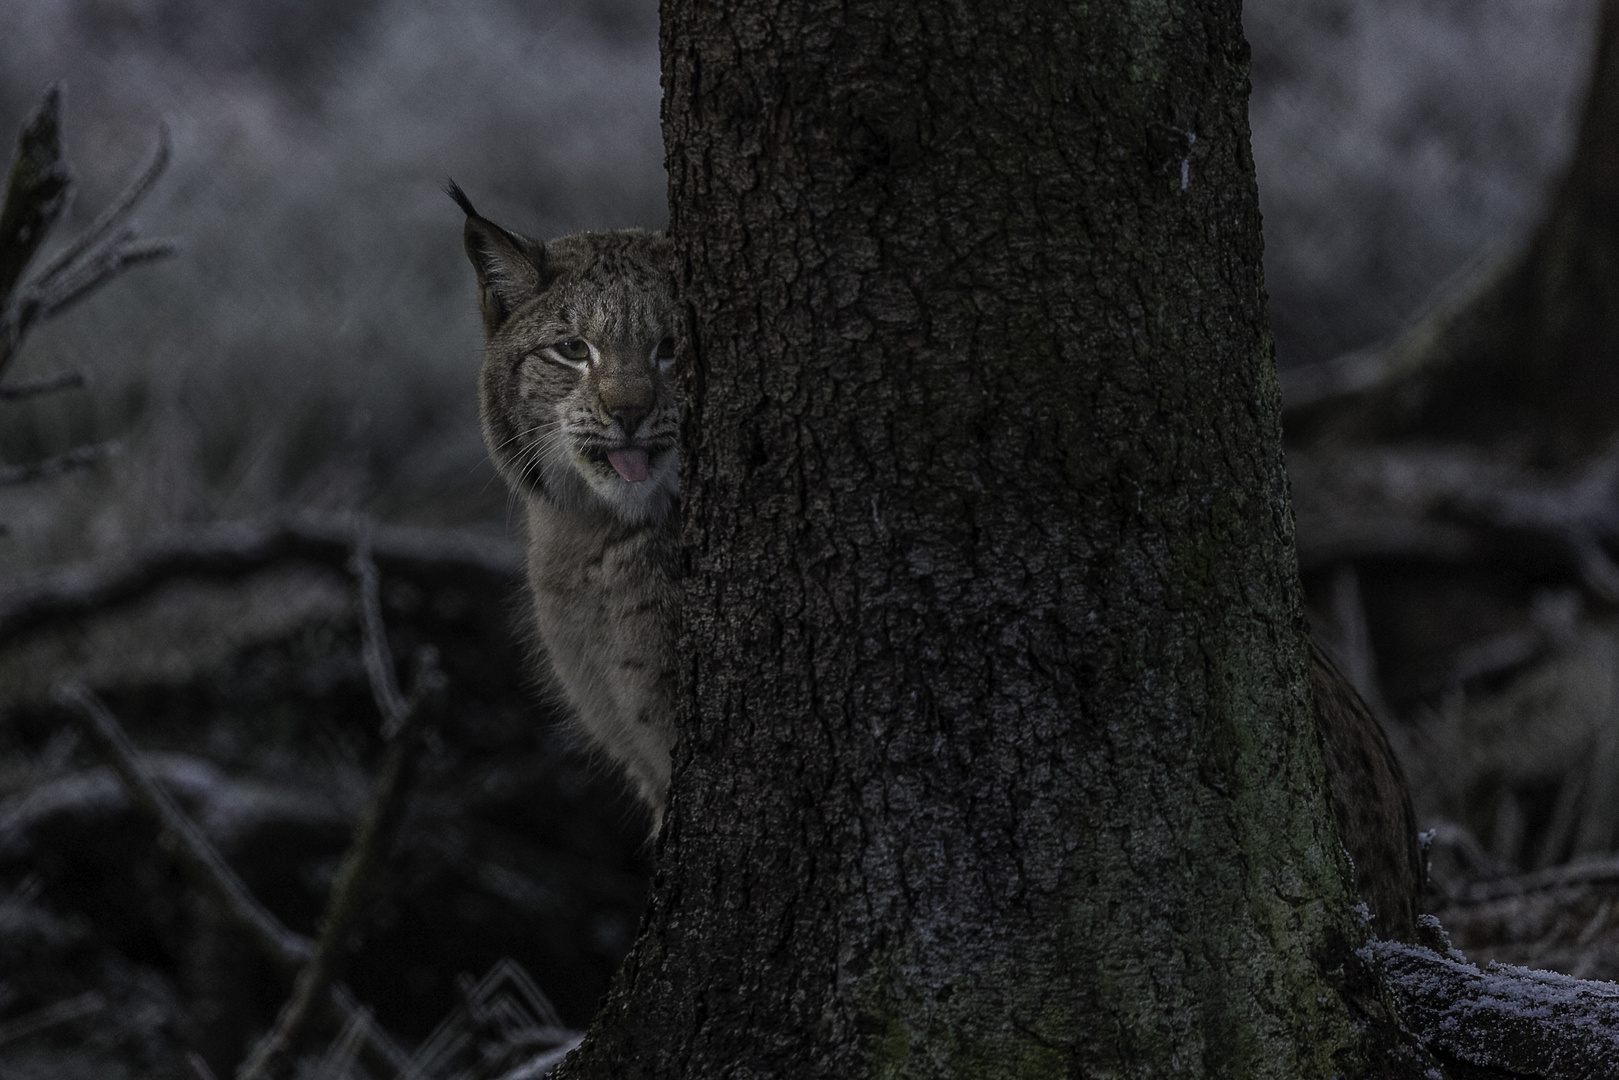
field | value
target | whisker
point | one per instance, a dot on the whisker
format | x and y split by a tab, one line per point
547	450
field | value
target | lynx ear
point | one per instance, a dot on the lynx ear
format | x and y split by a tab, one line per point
510	267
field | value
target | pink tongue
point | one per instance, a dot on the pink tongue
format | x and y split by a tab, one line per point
630	463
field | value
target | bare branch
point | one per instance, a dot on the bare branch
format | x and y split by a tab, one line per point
392	1055
104	250
506	1001
237	549
79	457
1596	871
372	840
1454	506
117	212
100	266
1352	639
1372	370
1497	655
71	380
200	858
1304	385
61	1012
37	188
1464	846
1597	570
338	1061
379	666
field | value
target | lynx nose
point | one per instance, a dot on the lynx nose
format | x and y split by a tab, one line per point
630	417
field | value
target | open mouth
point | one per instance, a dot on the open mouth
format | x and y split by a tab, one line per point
630	462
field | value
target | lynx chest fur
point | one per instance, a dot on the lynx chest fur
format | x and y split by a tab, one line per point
604	607
578	408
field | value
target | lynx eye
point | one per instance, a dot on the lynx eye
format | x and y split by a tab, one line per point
664	355
572	349
574	353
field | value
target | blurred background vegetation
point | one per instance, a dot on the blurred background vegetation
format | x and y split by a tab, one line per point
316	342
314	345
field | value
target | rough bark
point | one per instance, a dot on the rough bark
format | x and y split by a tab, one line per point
997	750
1526	359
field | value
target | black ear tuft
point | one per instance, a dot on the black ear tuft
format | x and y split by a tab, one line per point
510	267
453	190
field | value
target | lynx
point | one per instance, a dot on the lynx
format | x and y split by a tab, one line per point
578	406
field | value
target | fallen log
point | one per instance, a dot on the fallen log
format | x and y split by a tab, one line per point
234	550
1516	1022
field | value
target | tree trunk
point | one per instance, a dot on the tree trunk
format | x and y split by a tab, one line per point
997	754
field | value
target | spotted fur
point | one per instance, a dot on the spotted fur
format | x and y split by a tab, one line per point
578	406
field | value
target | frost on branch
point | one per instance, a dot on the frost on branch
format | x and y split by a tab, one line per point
1510	1019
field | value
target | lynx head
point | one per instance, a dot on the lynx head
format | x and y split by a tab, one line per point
577	391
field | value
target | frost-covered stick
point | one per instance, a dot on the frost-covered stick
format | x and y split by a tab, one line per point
200	858
376	833
388	1052
542	1064
379	667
